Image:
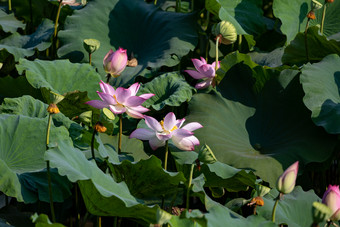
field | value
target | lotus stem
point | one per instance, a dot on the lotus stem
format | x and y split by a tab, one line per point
239	42
9	5
178	6
120	133
306	39
323	18
92	144
275	205
90	58
166	154
48	168
57	19
189	185
216	50
155	2
108	76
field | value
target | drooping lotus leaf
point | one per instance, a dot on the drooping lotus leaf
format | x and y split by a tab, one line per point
23	144
293	15
245	15
25	45
213	6
102	195
148	180
318	47
320	82
170	89
259	123
61	76
159	38
295	209
9	23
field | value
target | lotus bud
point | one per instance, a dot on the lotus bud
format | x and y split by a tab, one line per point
286	181
91	45
115	62
332	199
226	31
321	212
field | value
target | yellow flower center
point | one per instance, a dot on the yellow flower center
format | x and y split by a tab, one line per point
166	131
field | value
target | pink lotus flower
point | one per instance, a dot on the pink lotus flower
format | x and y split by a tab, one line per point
204	71
121	100
169	128
115	62
70	2
286	181
331	198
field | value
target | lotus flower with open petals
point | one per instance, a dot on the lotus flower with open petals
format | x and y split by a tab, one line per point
121	100
169	128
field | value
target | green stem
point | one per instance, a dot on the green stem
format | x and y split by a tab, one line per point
155	2
178	6
57	19
10	5
323	17
120	133
306	39
189	185
48	168
274	208
239	42
90	58
108	76
216	50
166	154
92	144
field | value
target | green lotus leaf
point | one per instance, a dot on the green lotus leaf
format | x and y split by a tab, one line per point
159	39
320	82
170	89
245	15
295	52
22	148
25	45
260	123
213	6
103	196
295	209
9	23
271	59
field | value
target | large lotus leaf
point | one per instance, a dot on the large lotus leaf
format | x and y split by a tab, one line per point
170	89
155	37
320	82
318	47
295	209
9	23
271	59
332	18
245	15
264	129
21	151
213	6
61	76
102	195
25	45
293	15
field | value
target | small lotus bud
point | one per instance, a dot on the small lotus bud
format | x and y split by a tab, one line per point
332	199
99	127
321	212
115	62
53	109
316	5
55	98
206	155
286	181
311	15
226	31
91	45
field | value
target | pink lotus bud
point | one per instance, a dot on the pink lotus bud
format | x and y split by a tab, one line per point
115	62
286	182
332	199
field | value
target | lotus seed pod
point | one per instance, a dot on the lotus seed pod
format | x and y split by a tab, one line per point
321	212
55	98
226	31
91	45
206	155
261	190
316	5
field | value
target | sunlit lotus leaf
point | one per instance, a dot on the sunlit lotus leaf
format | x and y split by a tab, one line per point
295	209
25	45
259	122
103	196
318	47
158	39
170	89
9	23
22	148
321	82
245	15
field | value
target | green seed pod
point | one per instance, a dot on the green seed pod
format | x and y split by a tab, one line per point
226	31
55	98
321	212
91	45
206	155
316	5
261	190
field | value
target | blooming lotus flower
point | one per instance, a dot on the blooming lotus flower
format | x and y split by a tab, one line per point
169	128
286	181
121	100
70	2
331	198
204	71
115	62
